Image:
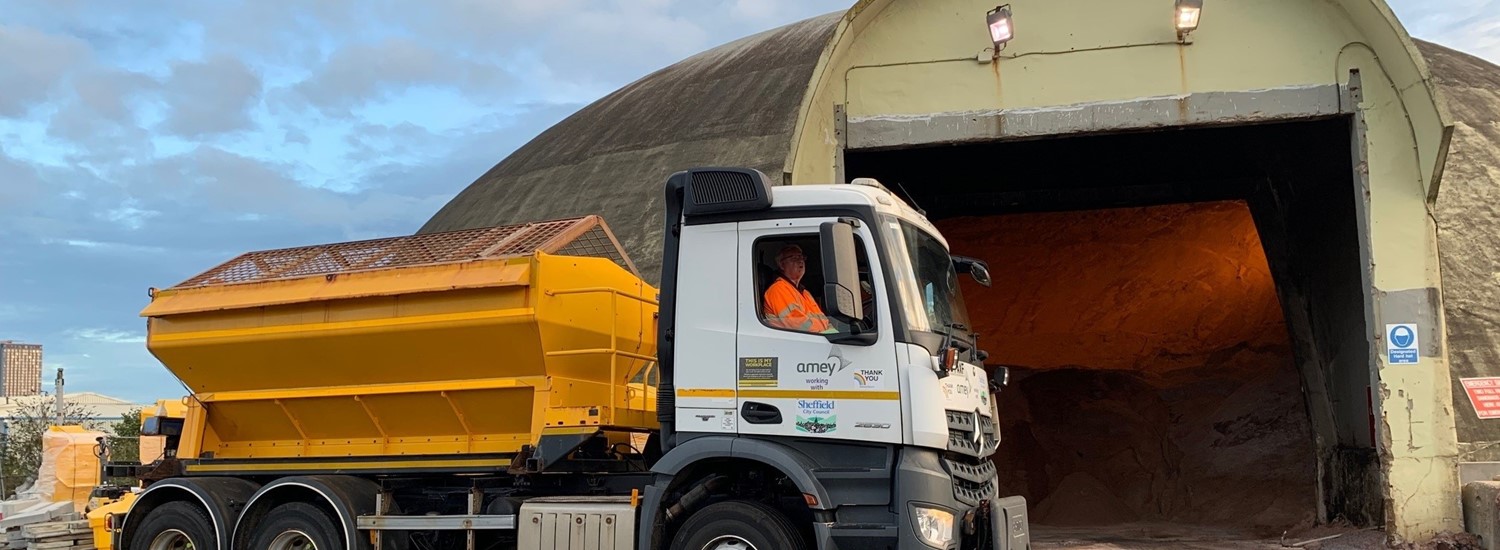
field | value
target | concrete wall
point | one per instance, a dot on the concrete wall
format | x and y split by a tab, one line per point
904	60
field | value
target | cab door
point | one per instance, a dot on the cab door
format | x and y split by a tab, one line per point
802	384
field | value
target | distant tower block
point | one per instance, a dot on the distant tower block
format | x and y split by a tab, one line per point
20	369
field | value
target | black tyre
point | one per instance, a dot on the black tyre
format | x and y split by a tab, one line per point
175	526
297	526
738	525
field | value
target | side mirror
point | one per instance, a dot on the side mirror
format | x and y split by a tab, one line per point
975	267
999	376
841	271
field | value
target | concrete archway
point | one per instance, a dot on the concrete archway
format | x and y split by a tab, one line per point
1117	69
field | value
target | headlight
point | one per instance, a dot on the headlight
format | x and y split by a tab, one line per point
934	526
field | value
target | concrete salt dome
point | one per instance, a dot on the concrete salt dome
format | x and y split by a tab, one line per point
1192	295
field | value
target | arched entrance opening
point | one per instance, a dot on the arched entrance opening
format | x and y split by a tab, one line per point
1183	313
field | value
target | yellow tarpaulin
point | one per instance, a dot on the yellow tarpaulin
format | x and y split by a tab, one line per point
153	447
69	469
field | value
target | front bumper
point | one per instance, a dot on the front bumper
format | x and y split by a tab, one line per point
1008	524
965	489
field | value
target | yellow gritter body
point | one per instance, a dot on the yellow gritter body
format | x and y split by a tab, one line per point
370	349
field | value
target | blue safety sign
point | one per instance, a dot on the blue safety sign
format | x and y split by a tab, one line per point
1401	344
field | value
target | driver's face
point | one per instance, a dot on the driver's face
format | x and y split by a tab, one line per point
794	266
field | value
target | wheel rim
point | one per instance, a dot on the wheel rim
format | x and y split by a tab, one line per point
172	539
729	542
291	539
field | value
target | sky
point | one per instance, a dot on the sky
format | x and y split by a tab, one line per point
144	142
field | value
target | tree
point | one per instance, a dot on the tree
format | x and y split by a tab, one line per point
124	445
23	446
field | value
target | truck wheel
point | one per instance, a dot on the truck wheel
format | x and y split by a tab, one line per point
297	526
175	526
738	525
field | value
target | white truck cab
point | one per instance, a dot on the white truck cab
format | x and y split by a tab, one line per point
884	406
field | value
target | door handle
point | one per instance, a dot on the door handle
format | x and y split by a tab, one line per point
760	413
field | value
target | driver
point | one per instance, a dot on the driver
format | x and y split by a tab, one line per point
787	304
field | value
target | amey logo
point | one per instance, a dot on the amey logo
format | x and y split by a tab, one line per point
834	363
819	368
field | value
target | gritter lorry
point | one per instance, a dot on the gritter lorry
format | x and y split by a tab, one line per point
523	387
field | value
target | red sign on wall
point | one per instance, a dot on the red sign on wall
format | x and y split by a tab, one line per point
1484	394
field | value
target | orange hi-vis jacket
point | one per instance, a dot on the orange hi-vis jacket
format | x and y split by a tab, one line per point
790	307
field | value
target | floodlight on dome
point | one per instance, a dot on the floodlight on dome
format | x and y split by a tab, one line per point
1001	28
1186	16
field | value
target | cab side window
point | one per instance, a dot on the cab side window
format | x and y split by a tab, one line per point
789	284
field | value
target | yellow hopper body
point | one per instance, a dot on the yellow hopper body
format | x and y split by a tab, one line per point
469	342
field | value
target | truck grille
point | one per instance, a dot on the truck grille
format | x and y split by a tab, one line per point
961	433
973	482
991	435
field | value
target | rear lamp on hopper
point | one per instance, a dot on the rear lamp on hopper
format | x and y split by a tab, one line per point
1001	29
1186	16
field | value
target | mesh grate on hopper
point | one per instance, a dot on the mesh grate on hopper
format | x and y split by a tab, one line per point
599	244
538	235
585	236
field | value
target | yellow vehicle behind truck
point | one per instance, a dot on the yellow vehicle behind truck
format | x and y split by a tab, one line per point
502	387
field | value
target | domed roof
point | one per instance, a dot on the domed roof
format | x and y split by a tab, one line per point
737	104
1468	220
734	105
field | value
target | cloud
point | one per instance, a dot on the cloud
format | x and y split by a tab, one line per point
211	181
94	139
406	140
285	34
1479	35
109	93
582	48
616	46
129	214
107	336
1472	26
213	199
210	97
9	312
296	135
455	159
772	10
365	72
32	64
474	23
21	184
105	246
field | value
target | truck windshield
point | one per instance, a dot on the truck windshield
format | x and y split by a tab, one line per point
926	279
